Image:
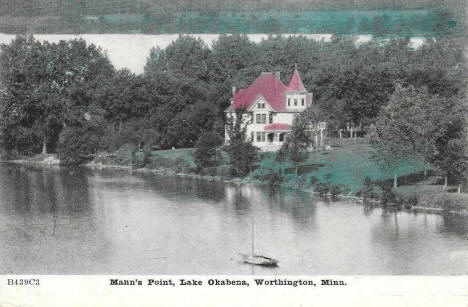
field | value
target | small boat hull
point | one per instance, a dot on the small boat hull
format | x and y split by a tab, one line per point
259	260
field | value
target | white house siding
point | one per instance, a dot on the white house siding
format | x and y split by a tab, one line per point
285	117
299	97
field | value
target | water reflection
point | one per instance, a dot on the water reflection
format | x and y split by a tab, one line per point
108	222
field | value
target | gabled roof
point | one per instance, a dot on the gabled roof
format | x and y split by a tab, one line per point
296	83
270	87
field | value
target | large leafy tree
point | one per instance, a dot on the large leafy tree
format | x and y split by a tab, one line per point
299	141
205	154
416	123
233	62
242	154
186	57
391	137
40	79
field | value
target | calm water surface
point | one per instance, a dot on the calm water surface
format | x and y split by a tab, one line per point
108	222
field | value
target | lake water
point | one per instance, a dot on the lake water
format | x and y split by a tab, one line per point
113	222
131	51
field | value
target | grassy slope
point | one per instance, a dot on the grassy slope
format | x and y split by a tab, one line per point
348	165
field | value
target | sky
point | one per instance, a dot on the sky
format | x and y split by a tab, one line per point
132	50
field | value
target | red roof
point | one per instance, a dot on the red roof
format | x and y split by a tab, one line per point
270	87
278	126
296	83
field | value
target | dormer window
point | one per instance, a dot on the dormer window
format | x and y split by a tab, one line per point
295	102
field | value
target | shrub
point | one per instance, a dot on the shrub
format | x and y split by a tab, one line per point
273	177
205	154
301	181
179	165
76	144
449	202
323	189
212	171
224	171
313	181
387	196
367	190
334	190
412	201
123	155
192	170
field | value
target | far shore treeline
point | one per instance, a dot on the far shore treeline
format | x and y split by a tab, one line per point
396	17
67	97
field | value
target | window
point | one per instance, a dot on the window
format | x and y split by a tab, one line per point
295	102
289	102
259	118
302	101
270	118
281	137
263	136
259	105
263	118
252	136
259	136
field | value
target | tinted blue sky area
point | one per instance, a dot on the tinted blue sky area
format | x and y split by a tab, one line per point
386	18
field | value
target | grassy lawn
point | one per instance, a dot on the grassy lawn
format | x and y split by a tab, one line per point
186	154
346	166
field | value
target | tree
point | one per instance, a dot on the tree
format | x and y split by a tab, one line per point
242	154
39	80
298	142
186	57
389	137
418	124
281	156
233	59
205	154
450	145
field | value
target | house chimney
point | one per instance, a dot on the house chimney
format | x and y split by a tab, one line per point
277	74
233	90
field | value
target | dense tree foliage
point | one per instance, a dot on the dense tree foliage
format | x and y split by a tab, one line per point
46	84
205	153
242	154
415	123
52	92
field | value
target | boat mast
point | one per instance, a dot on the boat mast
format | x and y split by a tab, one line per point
253	239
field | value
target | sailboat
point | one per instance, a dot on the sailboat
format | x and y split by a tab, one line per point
257	259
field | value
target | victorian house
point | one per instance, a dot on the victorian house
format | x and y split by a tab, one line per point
270	108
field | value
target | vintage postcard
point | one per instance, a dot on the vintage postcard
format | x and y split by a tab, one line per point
223	153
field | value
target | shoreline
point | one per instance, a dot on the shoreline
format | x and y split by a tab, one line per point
374	203
164	171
